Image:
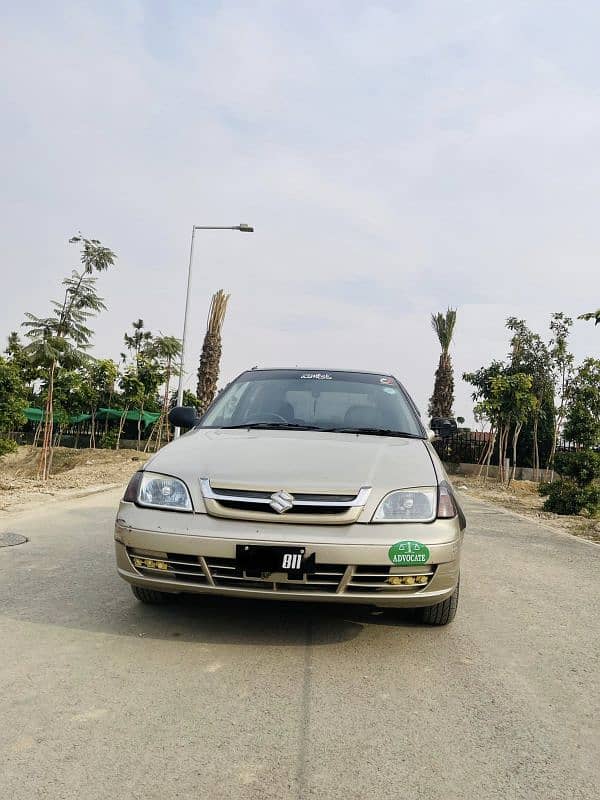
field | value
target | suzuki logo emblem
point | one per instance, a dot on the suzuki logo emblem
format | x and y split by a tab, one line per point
282	501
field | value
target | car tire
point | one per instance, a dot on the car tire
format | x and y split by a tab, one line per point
150	596
441	613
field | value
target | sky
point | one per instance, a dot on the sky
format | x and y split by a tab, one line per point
395	158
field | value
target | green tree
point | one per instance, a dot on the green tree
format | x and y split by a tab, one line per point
60	340
18	355
142	377
521	403
582	423
562	372
442	399
487	407
72	395
141	394
132	393
13	400
138	341
529	355
101	376
505	400
167	351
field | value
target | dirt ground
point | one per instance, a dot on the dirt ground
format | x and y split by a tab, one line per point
522	497
74	472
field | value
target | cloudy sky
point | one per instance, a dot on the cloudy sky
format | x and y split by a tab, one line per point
394	157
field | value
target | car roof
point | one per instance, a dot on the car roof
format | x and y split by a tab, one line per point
320	369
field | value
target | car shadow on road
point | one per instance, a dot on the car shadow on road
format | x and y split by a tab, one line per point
239	621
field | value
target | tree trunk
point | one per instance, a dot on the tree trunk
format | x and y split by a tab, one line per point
502	447
93	431
536	449
46	455
139	426
442	399
153	430
486	455
553	448
121	426
516	433
110	397
557	424
164	418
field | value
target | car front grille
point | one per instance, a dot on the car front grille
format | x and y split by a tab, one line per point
224	573
323	508
323	578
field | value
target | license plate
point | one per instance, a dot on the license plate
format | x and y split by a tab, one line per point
261	558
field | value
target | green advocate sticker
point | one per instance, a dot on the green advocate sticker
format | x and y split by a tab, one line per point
404	554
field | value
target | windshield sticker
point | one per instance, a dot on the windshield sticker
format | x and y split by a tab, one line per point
387	381
405	554
316	376
389	390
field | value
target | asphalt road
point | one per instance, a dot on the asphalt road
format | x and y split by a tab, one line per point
101	697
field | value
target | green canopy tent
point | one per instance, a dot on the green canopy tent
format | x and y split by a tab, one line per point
147	417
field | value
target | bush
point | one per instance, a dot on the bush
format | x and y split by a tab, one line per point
583	466
7	446
567	497
108	441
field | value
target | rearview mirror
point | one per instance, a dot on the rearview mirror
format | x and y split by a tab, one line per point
183	416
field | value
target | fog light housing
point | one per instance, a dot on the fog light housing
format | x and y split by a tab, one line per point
150	563
408	580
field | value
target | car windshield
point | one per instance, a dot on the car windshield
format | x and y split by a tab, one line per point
332	401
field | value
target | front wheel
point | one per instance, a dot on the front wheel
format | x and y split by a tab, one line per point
150	596
441	613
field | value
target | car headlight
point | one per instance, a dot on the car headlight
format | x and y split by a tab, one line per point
408	505
158	491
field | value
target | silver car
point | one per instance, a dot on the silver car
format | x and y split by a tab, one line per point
302	485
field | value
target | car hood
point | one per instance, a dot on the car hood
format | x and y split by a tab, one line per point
297	461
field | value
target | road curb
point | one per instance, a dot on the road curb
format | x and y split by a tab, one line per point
540	523
77	494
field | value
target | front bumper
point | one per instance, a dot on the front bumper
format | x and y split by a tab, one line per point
351	562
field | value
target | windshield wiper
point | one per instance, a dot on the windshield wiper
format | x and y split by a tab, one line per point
297	426
375	432
274	426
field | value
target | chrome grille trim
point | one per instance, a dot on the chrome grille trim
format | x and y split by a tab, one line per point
215	572
264	498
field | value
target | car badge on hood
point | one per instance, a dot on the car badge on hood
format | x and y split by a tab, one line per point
282	501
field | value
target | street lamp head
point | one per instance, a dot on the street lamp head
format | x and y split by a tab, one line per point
245	228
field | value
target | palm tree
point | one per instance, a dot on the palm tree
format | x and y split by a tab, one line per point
442	399
61	339
210	359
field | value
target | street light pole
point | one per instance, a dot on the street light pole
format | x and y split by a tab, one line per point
244	228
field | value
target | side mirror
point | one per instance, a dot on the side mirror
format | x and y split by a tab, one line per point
430	434
183	416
